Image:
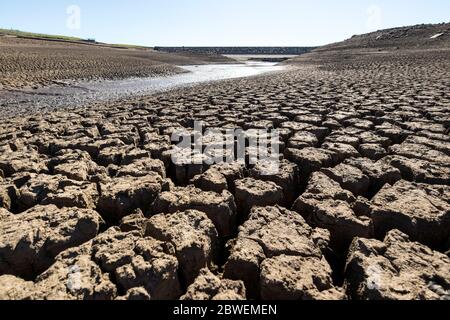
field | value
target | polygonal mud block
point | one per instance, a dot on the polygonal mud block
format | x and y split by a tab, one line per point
193	236
326	205
283	173
421	211
219	207
251	193
376	270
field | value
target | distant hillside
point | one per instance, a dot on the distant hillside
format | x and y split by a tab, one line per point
382	43
59	38
418	36
24	34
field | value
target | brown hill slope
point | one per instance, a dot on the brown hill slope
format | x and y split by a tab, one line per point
412	37
392	42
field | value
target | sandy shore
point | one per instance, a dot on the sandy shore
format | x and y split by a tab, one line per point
359	210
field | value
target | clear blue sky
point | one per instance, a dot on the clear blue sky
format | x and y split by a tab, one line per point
224	22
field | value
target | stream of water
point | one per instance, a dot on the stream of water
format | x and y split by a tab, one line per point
82	93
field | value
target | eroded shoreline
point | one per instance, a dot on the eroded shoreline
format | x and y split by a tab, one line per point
76	94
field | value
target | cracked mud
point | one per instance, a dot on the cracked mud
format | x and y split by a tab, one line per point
91	207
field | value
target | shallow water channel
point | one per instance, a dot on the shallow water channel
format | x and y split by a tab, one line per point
82	93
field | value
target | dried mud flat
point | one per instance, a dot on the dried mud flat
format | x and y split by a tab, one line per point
34	63
93	208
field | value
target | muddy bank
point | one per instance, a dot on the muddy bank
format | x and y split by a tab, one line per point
76	94
28	63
